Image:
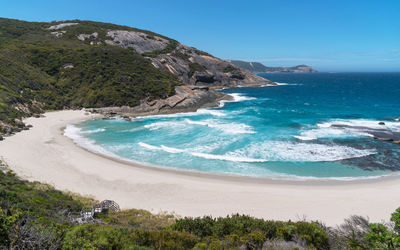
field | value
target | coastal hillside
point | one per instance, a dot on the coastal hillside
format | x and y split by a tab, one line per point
37	216
76	64
257	67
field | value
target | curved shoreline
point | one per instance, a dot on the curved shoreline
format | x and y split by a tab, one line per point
243	178
44	154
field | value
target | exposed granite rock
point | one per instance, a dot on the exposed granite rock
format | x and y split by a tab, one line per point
187	98
215	70
61	25
58	33
83	37
139	41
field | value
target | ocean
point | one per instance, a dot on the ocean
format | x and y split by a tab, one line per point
310	126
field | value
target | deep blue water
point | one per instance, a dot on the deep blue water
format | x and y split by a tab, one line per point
310	126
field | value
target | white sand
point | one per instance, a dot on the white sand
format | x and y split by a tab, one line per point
44	154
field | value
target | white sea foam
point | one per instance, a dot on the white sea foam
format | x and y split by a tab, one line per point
186	114
172	150
162	148
237	97
276	151
372	124
145	145
325	132
300	152
281	84
210	112
92	131
227	157
346	128
164	124
75	134
230	128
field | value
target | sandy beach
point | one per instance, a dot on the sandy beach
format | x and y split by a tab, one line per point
44	154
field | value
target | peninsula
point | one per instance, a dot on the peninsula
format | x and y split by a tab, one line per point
257	67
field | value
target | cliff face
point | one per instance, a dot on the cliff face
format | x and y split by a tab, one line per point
83	64
191	66
257	67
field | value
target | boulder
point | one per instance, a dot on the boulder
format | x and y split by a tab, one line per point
1	138
127	118
381	123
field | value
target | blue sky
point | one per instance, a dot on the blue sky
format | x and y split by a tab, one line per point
338	35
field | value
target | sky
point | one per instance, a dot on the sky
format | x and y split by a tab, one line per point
330	35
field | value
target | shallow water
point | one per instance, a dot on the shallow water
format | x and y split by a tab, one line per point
310	126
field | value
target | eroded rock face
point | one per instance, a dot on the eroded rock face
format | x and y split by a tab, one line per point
187	98
139	41
58	33
61	25
212	71
83	37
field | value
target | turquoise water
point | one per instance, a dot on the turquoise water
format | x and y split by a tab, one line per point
310	126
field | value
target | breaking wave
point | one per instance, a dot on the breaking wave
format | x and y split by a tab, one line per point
348	128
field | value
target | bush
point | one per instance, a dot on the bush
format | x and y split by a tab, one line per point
240	229
101	237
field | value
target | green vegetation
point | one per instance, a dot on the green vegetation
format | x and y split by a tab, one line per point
168	49
39	71
229	69
195	67
35	216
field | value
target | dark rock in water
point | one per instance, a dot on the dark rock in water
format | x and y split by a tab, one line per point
25	128
386	139
1	138
36	115
128	119
29	126
381	123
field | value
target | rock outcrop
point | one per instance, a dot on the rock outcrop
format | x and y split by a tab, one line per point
187	98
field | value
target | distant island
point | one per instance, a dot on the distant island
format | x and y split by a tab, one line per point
256	67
